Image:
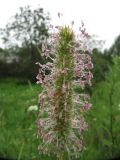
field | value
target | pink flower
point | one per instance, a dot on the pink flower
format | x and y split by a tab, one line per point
87	106
46	52
40	79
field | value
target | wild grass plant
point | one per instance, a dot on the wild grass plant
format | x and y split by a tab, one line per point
61	121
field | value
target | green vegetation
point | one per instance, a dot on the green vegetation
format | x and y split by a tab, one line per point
18	132
103	138
17	124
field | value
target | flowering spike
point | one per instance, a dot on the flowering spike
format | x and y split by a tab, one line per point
61	128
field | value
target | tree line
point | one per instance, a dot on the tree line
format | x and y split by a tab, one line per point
22	40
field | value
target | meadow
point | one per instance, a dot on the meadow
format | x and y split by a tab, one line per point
18	138
18	129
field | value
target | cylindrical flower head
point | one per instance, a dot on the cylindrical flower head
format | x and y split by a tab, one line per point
61	122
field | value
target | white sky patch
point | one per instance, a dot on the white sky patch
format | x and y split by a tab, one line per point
101	17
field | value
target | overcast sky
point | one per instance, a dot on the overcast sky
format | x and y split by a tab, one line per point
101	17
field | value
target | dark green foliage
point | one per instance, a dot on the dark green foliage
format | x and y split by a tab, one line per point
103	137
101	63
115	48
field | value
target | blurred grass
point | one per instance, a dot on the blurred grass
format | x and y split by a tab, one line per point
18	132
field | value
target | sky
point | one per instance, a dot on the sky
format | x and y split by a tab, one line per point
101	17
